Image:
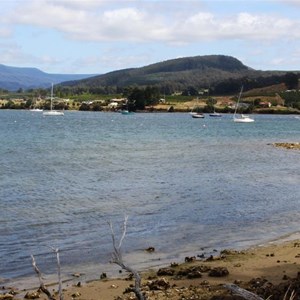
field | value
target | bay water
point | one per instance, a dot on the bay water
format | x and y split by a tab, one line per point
187	185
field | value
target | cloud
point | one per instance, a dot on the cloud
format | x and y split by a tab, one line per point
243	26
290	2
5	32
167	27
76	20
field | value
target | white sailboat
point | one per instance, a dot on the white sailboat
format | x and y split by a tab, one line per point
242	118
52	112
36	109
194	113
215	114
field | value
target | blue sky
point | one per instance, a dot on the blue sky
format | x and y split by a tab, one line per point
96	37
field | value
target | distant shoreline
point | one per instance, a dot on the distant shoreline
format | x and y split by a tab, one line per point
160	109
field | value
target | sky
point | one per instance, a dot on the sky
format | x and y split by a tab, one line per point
97	37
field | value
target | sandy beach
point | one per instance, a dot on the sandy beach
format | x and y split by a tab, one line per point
267	270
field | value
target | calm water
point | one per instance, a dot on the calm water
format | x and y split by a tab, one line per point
185	183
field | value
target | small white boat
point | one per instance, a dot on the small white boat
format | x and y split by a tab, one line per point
197	115
215	114
242	118
52	112
36	109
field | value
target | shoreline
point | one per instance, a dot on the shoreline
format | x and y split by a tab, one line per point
275	262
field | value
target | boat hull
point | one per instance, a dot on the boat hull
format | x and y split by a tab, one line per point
53	113
243	120
197	115
215	115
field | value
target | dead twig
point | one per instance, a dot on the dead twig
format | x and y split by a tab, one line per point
117	259
242	292
56	251
42	285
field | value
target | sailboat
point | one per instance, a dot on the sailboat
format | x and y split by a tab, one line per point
36	109
52	112
196	114
242	118
215	114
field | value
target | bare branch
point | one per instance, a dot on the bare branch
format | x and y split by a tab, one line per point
118	260
124	231
242	292
56	250
42	285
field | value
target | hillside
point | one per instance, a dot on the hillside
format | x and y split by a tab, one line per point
178	74
14	78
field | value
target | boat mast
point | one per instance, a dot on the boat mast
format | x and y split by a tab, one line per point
51	97
238	101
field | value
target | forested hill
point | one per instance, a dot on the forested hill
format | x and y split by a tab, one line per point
176	74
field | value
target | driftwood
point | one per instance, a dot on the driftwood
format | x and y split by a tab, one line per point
242	292
117	259
56	251
251	296
42	285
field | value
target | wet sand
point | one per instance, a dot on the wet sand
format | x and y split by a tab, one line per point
261	269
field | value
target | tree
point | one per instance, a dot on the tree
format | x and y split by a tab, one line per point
29	102
291	81
190	91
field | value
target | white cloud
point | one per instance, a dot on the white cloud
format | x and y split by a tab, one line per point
244	26
5	32
198	27
76	21
290	2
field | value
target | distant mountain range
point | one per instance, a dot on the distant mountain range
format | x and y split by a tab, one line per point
14	78
215	71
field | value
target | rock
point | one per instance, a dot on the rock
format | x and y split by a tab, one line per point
150	249
6	296
103	276
159	284
190	258
201	255
174	264
295	146
238	265
76	295
165	272
229	252
32	295
211	258
194	274
113	286
218	272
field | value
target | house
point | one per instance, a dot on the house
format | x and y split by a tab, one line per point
116	103
113	105
265	104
